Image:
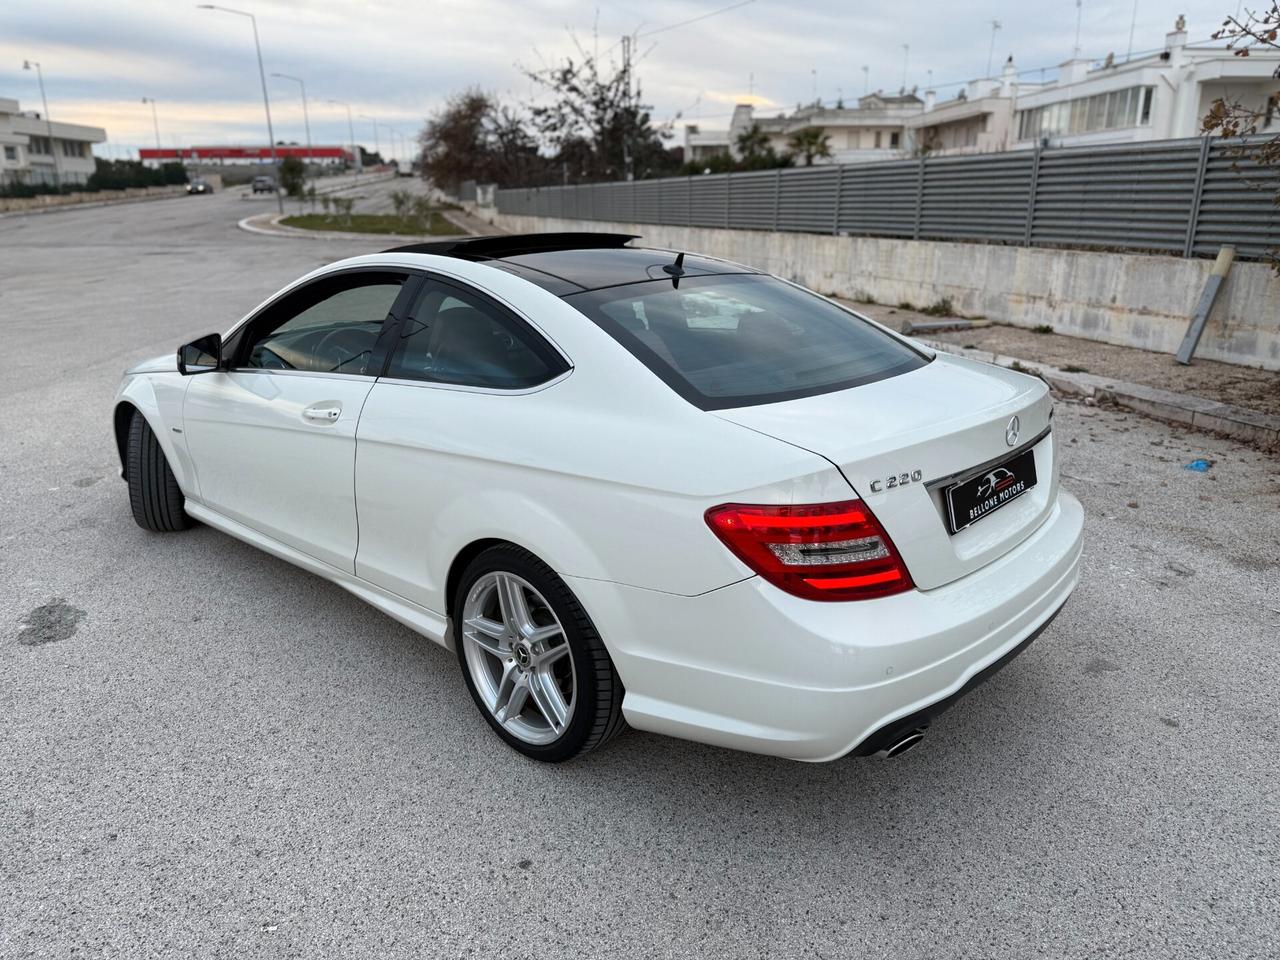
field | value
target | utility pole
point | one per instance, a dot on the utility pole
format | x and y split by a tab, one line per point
154	122
1079	12
906	53
377	146
627	164
995	25
266	101
306	121
351	132
48	124
1134	22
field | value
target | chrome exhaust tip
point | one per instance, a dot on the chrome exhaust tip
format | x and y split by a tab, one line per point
901	745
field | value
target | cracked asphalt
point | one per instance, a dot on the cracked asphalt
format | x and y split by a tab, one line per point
207	752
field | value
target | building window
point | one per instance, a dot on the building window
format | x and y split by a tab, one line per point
1102	111
72	148
893	140
11	153
40	145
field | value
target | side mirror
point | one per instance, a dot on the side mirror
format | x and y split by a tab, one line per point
200	356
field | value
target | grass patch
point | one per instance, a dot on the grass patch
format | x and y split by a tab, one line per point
1042	328
940	308
436	225
1072	368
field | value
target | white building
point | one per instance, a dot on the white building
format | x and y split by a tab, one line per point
33	150
1161	96
978	120
873	130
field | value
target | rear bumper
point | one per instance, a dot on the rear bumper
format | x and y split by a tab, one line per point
752	668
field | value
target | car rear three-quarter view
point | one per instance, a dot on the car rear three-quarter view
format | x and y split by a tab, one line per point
627	484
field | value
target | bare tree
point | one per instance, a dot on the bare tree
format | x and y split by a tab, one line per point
1234	118
595	120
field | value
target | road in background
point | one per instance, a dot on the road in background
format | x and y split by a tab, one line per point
215	753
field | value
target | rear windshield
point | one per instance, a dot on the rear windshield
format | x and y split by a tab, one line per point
742	339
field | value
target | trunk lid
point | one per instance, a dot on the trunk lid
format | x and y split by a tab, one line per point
937	426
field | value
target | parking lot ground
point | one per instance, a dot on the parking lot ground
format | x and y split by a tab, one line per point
207	752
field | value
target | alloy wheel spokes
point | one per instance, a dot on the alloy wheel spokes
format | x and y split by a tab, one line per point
519	657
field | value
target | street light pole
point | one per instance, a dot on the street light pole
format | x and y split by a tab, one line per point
154	122
48	124
351	132
305	119
376	148
266	102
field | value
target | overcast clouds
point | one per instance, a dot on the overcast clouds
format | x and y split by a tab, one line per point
399	59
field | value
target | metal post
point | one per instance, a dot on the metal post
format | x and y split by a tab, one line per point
835	207
306	121
48	124
155	121
351	133
266	100
1197	191
1201	317
915	227
1031	196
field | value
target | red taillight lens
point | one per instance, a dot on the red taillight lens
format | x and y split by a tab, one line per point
819	551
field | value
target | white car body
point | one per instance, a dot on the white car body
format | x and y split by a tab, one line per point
605	474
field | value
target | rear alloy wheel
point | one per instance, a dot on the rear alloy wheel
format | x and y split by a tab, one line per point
154	494
532	660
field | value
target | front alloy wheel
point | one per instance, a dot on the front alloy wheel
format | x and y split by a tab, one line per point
532	659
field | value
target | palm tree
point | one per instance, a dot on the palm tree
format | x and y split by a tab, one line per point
810	143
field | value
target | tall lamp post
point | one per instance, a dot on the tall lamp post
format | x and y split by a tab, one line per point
266	102
48	124
376	148
154	121
305	119
351	132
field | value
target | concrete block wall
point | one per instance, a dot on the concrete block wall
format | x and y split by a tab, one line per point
1133	300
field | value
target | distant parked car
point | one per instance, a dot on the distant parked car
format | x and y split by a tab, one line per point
264	185
199	186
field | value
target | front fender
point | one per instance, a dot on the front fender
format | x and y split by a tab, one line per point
158	398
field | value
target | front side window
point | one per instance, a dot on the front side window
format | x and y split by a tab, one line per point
457	337
742	339
330	326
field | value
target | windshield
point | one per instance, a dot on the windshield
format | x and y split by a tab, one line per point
741	339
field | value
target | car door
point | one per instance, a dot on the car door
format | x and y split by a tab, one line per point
457	407
272	437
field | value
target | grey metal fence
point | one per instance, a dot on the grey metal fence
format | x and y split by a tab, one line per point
1185	197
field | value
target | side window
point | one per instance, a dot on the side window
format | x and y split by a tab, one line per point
453	336
328	327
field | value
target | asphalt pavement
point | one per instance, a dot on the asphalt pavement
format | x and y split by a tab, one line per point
207	752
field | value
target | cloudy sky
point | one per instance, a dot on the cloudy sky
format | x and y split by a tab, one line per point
397	60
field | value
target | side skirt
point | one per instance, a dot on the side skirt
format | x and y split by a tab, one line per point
417	618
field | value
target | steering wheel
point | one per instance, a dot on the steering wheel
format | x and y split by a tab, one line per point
330	353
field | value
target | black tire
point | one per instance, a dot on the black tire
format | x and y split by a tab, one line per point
154	493
597	716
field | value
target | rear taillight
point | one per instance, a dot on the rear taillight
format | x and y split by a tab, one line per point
819	551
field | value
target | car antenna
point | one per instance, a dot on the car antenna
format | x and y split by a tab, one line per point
676	270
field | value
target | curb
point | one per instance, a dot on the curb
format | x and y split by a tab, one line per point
268	225
1184	409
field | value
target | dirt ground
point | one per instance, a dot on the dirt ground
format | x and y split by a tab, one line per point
1245	387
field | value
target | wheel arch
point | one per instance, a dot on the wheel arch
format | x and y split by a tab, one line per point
122	416
462	559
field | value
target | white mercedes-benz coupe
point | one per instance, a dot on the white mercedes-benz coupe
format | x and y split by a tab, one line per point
626	483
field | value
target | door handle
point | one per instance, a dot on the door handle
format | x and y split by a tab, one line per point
326	412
